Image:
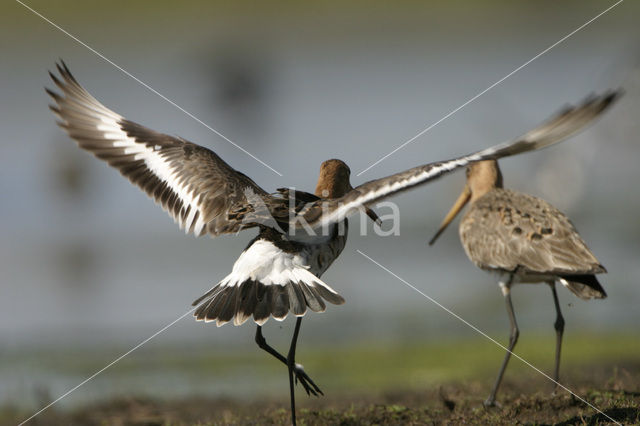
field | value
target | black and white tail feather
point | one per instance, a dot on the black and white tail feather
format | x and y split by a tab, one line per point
265	281
585	286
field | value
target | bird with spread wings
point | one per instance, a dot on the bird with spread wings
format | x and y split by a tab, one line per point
299	233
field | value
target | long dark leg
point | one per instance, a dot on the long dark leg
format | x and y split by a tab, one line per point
309	386
513	339
559	326
262	343
291	362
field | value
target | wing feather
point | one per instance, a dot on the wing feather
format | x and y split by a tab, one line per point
193	184
562	125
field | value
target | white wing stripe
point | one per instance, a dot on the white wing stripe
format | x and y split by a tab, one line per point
195	186
556	129
159	167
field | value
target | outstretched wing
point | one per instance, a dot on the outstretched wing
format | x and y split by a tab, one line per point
193	184
559	127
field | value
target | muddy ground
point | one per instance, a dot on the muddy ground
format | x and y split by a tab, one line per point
526	399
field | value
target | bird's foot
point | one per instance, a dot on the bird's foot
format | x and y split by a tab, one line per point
490	403
309	386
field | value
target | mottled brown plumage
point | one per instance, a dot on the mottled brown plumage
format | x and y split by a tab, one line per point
508	231
525	239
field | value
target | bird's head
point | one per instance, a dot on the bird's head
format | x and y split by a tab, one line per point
482	177
334	182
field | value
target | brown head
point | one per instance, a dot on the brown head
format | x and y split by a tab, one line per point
482	177
334	182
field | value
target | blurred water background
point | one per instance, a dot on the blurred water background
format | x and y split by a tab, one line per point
90	266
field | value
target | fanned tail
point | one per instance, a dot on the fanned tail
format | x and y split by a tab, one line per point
230	300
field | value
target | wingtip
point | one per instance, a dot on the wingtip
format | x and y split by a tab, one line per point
53	94
64	72
604	100
55	109
55	79
613	95
59	68
598	101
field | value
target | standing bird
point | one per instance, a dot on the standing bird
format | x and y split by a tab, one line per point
300	234
524	239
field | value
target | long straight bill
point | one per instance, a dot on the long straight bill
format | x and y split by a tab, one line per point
459	204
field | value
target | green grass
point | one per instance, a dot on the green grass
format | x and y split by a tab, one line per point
414	365
451	359
404	383
360	366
